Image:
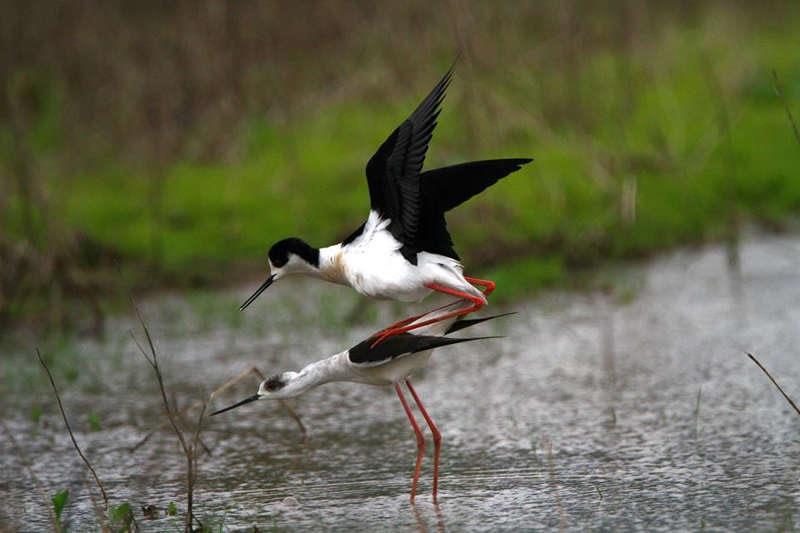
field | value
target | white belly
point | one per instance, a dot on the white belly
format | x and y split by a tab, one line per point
394	371
374	266
387	276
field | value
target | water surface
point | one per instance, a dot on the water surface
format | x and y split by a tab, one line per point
629	408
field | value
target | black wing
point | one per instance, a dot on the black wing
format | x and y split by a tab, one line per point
448	187
398	346
469	322
393	173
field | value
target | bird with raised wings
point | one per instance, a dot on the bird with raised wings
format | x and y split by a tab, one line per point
403	250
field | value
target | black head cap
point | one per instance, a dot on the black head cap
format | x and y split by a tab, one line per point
279	253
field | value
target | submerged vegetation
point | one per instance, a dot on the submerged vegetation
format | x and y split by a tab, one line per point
650	127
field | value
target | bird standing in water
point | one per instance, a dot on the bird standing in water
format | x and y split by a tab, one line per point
403	250
389	363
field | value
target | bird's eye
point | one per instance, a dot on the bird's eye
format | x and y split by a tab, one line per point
274	383
278	258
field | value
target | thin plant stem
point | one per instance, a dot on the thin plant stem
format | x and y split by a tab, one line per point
69	429
788	399
152	360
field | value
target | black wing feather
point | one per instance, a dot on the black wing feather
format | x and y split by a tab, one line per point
399	345
445	188
393	173
469	322
450	187
416	201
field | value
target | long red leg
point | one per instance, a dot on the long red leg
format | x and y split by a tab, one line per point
410	319
403	322
420	440
437	439
477	303
488	288
488	285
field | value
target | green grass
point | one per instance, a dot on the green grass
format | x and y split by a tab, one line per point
519	277
690	123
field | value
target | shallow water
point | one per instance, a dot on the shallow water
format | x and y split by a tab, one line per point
634	407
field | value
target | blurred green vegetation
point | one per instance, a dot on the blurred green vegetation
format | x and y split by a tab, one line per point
650	127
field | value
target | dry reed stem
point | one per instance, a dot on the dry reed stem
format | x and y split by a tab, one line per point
69	429
788	399
188	450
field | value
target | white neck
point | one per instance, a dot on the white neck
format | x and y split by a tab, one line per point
334	368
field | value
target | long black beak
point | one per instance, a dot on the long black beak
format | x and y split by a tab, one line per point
252	398
256	294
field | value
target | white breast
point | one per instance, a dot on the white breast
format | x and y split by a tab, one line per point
374	266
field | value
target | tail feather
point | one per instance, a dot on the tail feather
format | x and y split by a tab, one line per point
449	187
469	322
364	354
431	342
